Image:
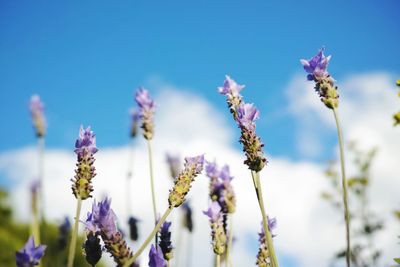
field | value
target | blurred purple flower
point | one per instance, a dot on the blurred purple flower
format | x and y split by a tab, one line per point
36	108
156	258
212	170
147	108
272	226
165	242
213	212
35	186
135	117
29	255
144	100
317	66
85	145
187	220
174	163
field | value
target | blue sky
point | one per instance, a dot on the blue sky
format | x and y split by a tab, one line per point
85	59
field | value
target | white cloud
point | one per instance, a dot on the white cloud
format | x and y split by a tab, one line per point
308	230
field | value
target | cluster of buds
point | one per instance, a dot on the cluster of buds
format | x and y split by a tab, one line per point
38	119
263	259
147	107
85	148
135	116
218	233
101	222
193	166
165	240
396	116
245	116
317	69
29	255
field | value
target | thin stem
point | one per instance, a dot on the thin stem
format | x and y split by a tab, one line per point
270	245
153	194
218	261
230	240
168	263
72	245
41	144
35	219
344	187
148	239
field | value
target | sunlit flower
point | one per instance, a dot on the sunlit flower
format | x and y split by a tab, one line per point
147	109
29	255
317	66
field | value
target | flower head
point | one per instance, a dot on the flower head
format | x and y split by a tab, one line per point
37	111
230	87
213	212
317	66
192	167
212	170
147	109
156	257
86	142
247	115
102	218
29	255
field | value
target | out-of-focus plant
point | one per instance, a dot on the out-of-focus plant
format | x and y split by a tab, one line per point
365	222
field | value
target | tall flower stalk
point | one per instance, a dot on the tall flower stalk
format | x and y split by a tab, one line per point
35	225
317	69
36	108
85	148
245	115
177	195
146	110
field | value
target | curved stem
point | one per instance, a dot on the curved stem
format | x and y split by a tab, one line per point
230	240
148	239
218	261
270	245
344	187
153	194
72	245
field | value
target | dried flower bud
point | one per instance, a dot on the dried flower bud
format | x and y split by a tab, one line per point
37	111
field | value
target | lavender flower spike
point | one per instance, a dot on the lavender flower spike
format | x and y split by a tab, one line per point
29	255
85	148
156	257
165	240
263	258
37	111
232	92
135	117
252	145
317	69
192	167
218	233
147	108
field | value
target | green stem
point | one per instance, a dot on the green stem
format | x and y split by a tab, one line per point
148	239
270	245
72	245
218	261
153	194
230	240
344	186
41	144
35	219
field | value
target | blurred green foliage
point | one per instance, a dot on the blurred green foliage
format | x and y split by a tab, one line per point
13	236
364	223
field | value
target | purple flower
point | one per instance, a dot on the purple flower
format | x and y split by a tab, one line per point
102	218
35	187
212	170
213	212
156	257
29	255
225	174
230	87
272	226
144	100
247	114
86	143
196	163
165	240
37	111
317	66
